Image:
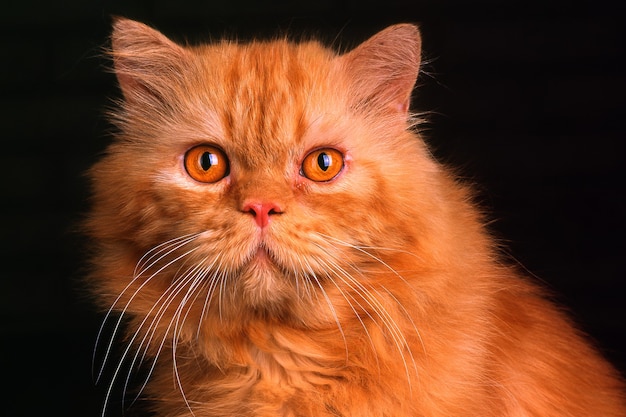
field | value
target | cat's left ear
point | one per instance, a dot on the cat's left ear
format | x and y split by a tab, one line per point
383	69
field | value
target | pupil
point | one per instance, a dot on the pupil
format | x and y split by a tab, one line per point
324	161
207	160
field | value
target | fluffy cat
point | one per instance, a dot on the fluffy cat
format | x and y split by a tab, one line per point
276	240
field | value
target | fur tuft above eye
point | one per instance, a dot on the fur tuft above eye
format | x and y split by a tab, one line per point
206	163
322	165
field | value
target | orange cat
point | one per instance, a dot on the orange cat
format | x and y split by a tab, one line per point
279	241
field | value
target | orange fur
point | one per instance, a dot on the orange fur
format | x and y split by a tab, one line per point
377	293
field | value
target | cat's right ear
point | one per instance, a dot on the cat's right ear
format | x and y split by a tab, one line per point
146	62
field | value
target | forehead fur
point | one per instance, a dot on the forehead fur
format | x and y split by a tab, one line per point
257	100
266	95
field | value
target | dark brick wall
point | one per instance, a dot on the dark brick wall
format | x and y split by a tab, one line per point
527	99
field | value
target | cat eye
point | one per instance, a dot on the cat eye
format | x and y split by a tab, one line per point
322	164
206	163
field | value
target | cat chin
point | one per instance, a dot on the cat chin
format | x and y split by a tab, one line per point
263	284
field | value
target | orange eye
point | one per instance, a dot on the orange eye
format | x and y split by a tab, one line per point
322	164
206	163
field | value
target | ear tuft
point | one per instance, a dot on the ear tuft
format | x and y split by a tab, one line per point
145	60
384	68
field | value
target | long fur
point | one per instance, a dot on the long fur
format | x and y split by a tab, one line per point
378	293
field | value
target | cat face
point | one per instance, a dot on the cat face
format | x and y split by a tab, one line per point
258	178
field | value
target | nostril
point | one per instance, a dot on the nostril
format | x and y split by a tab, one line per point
250	209
261	211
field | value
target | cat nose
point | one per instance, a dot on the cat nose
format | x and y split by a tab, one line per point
261	211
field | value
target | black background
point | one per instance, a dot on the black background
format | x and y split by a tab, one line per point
526	98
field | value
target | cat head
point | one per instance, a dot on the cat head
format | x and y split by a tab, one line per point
254	179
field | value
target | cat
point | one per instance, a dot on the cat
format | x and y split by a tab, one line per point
275	238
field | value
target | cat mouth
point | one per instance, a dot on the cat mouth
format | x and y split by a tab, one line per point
263	260
263	257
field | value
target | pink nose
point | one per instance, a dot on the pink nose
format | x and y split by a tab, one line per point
261	211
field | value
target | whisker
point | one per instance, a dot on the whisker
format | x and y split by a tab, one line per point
330	306
210	283
349	297
222	277
165	300
193	276
165	249
362	250
382	313
153	326
370	298
408	316
109	313
304	273
196	283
